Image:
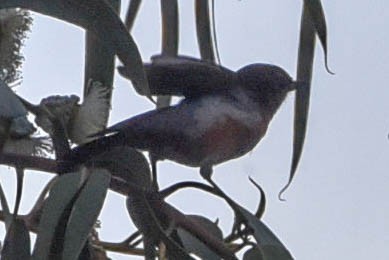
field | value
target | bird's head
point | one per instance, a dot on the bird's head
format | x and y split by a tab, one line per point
267	84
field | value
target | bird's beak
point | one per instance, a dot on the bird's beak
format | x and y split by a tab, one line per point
293	85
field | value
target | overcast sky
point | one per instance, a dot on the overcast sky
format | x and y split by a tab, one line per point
337	206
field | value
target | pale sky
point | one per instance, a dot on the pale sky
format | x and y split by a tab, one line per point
337	206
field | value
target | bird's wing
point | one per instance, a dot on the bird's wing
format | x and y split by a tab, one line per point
154	128
184	76
152	123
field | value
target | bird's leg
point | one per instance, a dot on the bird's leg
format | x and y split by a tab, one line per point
206	172
153	162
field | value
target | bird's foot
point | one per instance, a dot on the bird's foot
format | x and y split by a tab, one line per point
206	173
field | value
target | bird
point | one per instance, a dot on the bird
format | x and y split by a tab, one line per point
223	114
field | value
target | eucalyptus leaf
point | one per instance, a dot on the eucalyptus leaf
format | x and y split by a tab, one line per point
99	18
253	254
61	195
17	245
5	208
304	78
84	213
204	31
267	253
316	13
132	11
195	246
19	189
170	27
170	38
146	220
263	235
99	59
92	116
262	202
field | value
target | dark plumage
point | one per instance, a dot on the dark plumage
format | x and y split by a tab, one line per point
223	115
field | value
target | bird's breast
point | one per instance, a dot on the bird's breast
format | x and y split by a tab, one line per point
221	130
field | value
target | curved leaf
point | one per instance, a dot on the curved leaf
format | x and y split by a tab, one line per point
170	39
304	77
193	245
316	13
262	234
98	17
268	243
99	59
132	11
145	219
267	253
61	195
262	202
5	208
253	254
170	27
17	245
85	211
19	189
204	31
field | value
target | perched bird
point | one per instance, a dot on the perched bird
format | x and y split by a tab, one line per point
223	115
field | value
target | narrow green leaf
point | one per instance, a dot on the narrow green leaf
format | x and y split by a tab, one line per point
204	31
170	38
92	115
316	13
253	254
195	246
266	253
148	223
262	203
85	212
61	194
170	27
262	234
99	18
304	78
163	101
5	208
17	245
132	11
19	189
99	59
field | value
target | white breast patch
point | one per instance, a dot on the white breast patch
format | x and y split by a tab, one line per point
216	110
